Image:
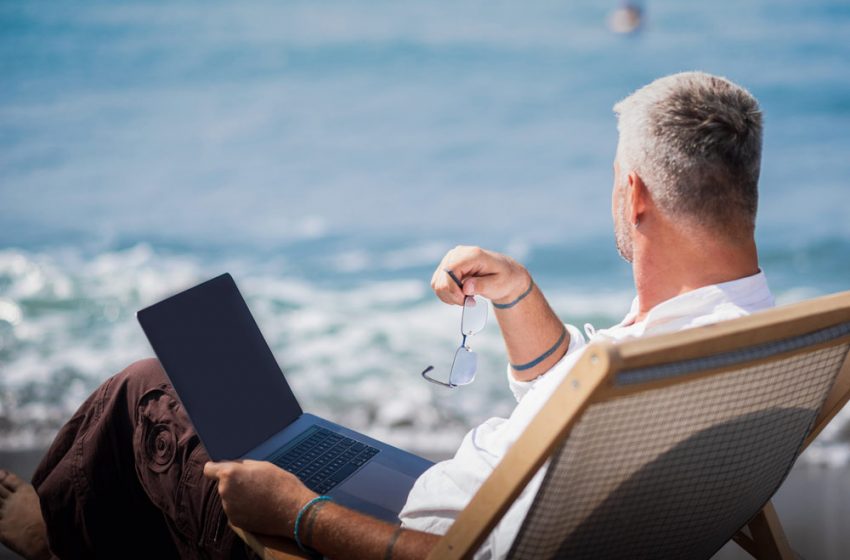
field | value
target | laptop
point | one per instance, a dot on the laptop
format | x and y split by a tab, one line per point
243	408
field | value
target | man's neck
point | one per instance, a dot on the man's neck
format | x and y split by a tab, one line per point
685	263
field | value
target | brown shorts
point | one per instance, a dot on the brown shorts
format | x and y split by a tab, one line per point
124	478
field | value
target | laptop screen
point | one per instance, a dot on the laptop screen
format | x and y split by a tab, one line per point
221	367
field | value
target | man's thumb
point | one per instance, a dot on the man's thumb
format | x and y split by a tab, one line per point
479	285
469	286
212	470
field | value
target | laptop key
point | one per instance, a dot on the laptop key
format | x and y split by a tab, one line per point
342	474
323	459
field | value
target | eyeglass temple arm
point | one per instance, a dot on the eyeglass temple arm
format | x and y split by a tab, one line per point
432	380
455	278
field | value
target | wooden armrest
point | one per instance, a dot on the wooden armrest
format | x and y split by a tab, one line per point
271	548
768	540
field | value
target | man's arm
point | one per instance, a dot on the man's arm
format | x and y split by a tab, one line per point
534	336
260	497
338	532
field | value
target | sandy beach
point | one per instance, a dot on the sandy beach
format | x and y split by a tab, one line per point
812	504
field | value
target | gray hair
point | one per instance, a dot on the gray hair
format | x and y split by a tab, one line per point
695	141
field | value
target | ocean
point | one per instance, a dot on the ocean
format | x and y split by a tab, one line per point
328	155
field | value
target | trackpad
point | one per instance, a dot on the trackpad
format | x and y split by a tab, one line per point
379	485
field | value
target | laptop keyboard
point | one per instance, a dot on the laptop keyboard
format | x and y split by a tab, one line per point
322	459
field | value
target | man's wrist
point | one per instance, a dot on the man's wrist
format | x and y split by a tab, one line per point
304	522
522	287
310	522
291	506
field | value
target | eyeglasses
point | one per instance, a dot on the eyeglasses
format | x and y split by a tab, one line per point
465	361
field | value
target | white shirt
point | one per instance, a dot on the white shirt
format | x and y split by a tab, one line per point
444	490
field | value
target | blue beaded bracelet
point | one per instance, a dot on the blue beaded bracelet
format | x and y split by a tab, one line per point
301	513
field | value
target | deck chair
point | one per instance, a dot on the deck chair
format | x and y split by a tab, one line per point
666	446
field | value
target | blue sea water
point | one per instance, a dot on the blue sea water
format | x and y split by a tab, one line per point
328	154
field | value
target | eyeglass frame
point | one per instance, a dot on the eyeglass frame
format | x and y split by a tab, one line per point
463	342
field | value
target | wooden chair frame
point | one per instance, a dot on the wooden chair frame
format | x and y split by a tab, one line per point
592	381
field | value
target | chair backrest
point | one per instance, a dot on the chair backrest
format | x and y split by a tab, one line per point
665	447
674	472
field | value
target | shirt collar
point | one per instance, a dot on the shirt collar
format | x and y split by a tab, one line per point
747	295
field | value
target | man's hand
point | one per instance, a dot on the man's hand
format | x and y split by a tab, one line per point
258	496
497	277
535	337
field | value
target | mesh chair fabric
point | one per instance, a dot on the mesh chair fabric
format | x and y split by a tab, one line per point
675	472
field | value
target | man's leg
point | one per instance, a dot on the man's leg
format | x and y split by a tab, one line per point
124	477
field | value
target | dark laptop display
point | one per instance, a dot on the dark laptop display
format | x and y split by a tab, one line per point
229	380
242	407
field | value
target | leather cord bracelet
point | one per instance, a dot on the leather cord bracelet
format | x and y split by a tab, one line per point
543	356
388	553
517	300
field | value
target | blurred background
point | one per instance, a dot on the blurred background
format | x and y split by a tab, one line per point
328	155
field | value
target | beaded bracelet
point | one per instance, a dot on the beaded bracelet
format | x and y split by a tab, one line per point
300	515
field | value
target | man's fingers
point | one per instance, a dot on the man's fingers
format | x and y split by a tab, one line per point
454	278
469	265
214	470
447	290
443	285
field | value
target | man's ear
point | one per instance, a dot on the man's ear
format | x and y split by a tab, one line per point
638	198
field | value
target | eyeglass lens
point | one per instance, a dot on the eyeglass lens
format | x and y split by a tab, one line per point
465	362
463	367
474	315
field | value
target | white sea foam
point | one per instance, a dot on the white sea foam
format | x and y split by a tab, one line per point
69	324
10	312
352	354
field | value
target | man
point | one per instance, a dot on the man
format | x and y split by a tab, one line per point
684	205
